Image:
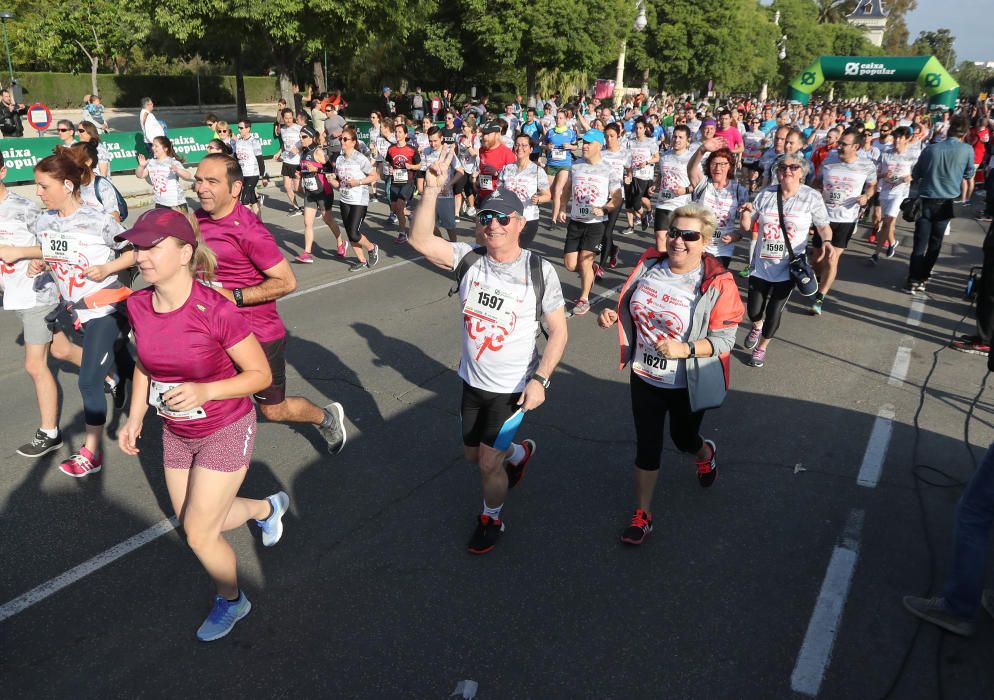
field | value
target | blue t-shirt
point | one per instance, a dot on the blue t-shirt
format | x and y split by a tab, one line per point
557	141
534	131
768	126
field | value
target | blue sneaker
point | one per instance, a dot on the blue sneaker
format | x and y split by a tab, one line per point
272	527
223	617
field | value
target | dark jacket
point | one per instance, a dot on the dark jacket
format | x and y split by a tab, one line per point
10	120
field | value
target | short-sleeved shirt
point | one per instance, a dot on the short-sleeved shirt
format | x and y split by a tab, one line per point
842	185
199	334
18	220
151	127
892	170
354	167
643	151
560	157
398	158
619	160
731	136
100	194
290	135
754	143
491	162
333	126
499	353
470	163
74	243
802	211
165	183
592	186
672	179
244	248
246	151
525	183
429	158
725	203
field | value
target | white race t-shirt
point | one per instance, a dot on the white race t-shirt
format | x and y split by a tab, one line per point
499	325
108	197
18	218
644	150
72	244
165	183
802	211
246	151
754	142
291	140
725	204
151	127
355	167
673	178
429	158
894	167
619	160
524	183
842	185
662	305
592	187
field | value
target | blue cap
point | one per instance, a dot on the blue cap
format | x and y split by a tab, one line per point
386	89
595	136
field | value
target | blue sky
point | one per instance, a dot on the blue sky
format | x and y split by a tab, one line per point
968	20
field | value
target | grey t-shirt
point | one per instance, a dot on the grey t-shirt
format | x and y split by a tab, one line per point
333	126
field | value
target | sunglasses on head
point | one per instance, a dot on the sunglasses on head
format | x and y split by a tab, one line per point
684	233
485	217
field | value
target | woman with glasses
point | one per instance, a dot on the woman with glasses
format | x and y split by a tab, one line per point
529	182
719	192
676	317
354	173
66	132
770	284
164	171
248	151
317	191
88	133
894	177
218	146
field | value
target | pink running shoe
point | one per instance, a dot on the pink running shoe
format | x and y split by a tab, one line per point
82	463
341	249
305	258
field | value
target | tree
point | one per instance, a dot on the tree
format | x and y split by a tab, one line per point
834	11
974	79
895	42
939	44
806	39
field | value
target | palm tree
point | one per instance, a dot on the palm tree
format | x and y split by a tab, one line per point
834	11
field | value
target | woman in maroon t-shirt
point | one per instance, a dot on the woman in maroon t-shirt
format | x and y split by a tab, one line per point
189	340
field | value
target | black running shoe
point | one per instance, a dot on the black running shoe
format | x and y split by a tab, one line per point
486	535
358	266
516	472
707	469
41	445
639	529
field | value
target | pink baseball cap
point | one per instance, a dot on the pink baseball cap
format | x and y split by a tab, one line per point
155	225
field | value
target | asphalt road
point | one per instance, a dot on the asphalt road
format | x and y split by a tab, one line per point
371	593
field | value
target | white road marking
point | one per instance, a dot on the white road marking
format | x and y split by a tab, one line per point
344	280
902	360
876	448
816	651
916	311
52	586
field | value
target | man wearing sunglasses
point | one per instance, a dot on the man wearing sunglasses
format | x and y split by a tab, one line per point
500	366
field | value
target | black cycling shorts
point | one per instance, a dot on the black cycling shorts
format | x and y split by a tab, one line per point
484	414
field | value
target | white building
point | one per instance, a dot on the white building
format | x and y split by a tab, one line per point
869	16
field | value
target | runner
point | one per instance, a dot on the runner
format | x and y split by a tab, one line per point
150	125
96	191
494	155
894	176
753	144
722	196
533	129
730	134
592	193
354	173
847	187
88	134
678	313
32	300
770	284
318	195
673	186
90	329
403	160
247	149
500	365
423	143
253	273
529	182
644	152
560	144
468	153
199	383
163	172
289	155
619	158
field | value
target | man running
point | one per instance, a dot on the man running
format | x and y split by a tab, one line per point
494	155
673	185
289	155
253	274
500	365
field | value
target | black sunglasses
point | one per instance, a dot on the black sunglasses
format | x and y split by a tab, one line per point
63	129
485	217
684	233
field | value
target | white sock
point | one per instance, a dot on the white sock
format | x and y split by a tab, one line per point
50	432
492	513
752	248
517	454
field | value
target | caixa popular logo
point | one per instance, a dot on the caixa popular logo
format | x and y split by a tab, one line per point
852	68
933	80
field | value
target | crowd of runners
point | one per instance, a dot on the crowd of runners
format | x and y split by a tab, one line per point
766	182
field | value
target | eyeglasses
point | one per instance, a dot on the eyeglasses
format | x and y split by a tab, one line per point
343	139
723	163
485	217
792	167
224	131
242	127
684	233
62	129
305	136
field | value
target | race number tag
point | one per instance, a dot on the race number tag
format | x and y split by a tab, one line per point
310	182
490	305
644	173
155	394
56	248
649	364
835	195
486	182
558	154
773	249
400	175
582	211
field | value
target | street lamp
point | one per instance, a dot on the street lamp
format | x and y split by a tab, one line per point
4	16
640	23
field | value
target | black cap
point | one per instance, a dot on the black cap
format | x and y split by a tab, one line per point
502	201
490	128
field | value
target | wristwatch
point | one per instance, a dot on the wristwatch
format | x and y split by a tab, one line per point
237	294
693	349
544	381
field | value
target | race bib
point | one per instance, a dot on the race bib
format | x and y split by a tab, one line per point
773	249
666	194
60	249
558	154
835	196
400	175
155	393
310	182
487	182
582	211
491	305
650	364
644	173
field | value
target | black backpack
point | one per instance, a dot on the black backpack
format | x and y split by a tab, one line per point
122	205
534	269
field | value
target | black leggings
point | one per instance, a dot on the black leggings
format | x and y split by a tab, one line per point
607	242
767	301
650	404
104	345
352	217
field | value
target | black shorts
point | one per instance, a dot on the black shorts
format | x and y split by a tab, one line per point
249	195
401	192
288	170
483	414
319	200
661	219
842	231
275	393
581	236
635	191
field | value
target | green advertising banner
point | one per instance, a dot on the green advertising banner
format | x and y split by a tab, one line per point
940	86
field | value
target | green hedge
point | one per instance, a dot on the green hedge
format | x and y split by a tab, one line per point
61	90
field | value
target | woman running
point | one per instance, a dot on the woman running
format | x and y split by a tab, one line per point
677	316
423	144
354	173
645	155
620	159
199	383
88	133
96	192
560	142
317	193
468	153
725	197
77	244
404	161
529	182
894	176
164	172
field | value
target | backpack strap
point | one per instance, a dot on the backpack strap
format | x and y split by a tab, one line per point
463	267
538	285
